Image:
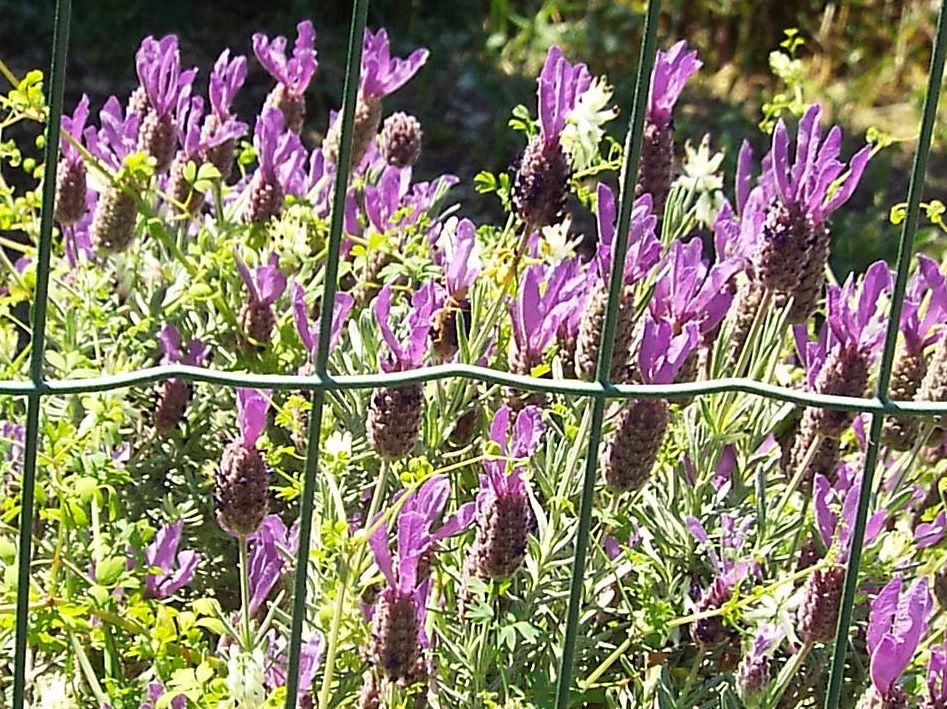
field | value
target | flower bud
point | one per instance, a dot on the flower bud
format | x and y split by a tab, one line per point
70	192
633	447
157	138
113	222
753	677
365	126
180	190
540	183
784	247
394	420
934	385
844	373
220	155
590	334
242	493
171	404
400	140
900	432
818	614
656	167
444	340
290	104
809	288
257	320
394	647
266	199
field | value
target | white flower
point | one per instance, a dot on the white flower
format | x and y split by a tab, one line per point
339	444
702	176
245	679
583	131
556	245
51	691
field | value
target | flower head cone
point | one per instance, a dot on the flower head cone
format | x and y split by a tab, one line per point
822	595
394	413
114	220
174	394
503	514
632	449
672	69
293	74
400	140
265	285
755	671
281	159
791	255
159	70
71	177
542	172
398	616
643	253
242	485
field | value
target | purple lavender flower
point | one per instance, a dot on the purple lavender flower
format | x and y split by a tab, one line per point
310	334
383	74
293	74
928	534
281	160
162	554
225	80
13	435
310	658
407	353
268	547
458	254
117	135
792	252
156	691
536	312
398	635
937	677
689	290
754	672
242	484
662	352
174	394
672	69
543	170
644	251
836	531
158	63
895	627
503	513
265	285
71	190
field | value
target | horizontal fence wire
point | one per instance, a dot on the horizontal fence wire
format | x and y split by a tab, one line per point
905	252
321	383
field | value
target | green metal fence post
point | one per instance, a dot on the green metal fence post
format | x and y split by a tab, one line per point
603	366
905	252
57	78
350	92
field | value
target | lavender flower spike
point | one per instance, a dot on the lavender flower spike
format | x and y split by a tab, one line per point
754	672
293	74
398	617
895	627
459	256
174	394
632	449
281	158
225	80
163	554
242	485
671	71
71	178
158	63
503	513
267	547
265	285
394	413
310	334
543	170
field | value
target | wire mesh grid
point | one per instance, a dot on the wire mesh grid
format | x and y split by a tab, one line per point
599	391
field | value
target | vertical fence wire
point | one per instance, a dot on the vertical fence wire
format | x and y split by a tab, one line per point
349	94
57	78
905	251
603	367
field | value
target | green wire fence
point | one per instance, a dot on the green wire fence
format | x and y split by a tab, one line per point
599	391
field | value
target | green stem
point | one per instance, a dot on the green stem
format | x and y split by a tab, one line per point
348	572
244	595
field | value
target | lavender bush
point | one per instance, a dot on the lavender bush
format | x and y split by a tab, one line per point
446	513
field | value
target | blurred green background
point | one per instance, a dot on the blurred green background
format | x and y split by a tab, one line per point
866	60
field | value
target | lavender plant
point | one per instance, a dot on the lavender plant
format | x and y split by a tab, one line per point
446	512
